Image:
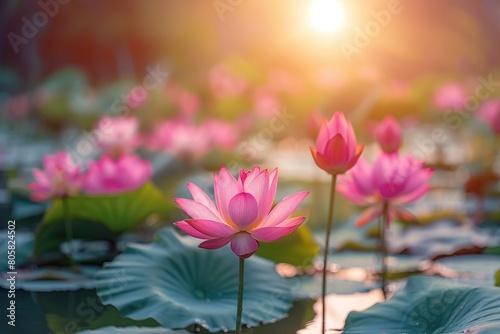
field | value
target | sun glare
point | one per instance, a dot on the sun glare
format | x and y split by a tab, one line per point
326	15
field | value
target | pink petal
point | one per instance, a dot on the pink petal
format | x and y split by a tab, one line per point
402	214
320	160
259	189
337	151
200	197
215	243
354	159
195	210
211	228
243	210
244	245
268	234
338	125
413	196
182	225
225	188
40	176
351	192
322	136
368	215
351	139
284	209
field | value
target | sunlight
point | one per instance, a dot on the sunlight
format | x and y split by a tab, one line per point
326	15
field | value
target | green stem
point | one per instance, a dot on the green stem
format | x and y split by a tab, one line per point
69	231
239	310
383	246
325	251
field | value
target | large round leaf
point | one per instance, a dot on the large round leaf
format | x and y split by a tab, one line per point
431	305
119	213
178	284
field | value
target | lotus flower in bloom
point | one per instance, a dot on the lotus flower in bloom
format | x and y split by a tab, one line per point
117	135
392	180
489	113
336	146
450	96
111	176
242	212
388	135
59	177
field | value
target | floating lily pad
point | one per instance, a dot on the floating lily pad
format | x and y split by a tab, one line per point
45	280
119	213
431	305
178	284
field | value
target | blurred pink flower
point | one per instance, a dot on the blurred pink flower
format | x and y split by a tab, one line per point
59	177
242	212
136	97
192	141
111	176
336	146
181	138
392	180
222	134
117	135
489	112
388	135
189	103
450	96
223	82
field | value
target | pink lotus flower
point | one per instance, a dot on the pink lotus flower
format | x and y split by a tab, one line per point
450	96
222	134
191	141
111	176
489	112
392	180
336	146
59	177
117	136
242	212
388	135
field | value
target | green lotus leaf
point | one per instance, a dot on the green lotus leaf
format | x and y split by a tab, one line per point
178	284
497	278
119	213
298	249
431	305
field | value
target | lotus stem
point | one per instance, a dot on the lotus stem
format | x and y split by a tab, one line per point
325	251
239	309
383	246
69	231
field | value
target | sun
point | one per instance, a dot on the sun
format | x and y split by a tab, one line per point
326	15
